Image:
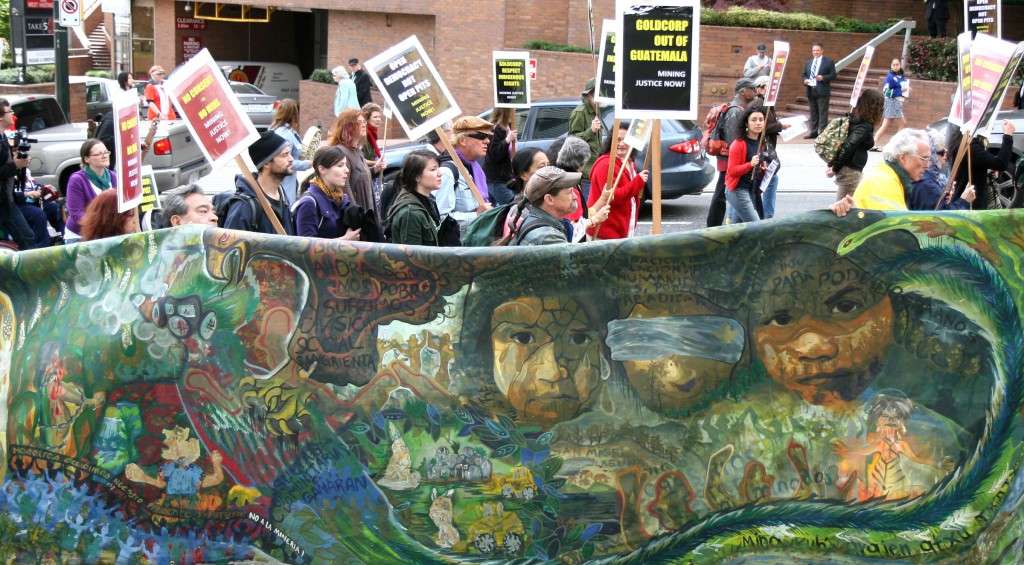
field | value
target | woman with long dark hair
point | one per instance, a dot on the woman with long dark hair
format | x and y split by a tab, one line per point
745	168
849	162
896	89
320	212
413	218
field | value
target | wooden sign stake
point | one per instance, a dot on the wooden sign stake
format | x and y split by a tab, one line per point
260	196
481	203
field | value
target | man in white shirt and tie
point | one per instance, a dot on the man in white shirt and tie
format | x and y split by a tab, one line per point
819	72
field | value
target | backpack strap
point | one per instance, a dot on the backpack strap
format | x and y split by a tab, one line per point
528	226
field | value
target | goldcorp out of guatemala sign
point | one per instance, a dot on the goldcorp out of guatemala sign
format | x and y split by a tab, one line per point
210	109
126	146
604	80
657	55
406	77
511	86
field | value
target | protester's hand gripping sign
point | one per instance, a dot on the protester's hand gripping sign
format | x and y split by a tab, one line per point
511	87
604	81
412	86
210	109
780	54
657	58
127	149
862	75
215	118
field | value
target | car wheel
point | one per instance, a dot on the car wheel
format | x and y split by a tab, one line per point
1005	193
513	543
484	543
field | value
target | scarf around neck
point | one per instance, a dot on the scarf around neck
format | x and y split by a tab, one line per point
371	138
336	195
103	182
479	178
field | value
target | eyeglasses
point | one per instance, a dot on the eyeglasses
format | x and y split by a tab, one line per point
480	135
100	154
941	152
924	158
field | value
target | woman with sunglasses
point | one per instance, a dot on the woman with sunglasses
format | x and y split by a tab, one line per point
86	184
930	189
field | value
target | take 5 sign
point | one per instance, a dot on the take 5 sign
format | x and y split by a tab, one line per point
210	109
126	146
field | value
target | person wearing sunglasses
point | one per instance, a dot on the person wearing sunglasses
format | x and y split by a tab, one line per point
929	191
455	198
86	184
159	103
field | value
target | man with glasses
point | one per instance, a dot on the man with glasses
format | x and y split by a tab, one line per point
159	103
12	222
455	198
888	184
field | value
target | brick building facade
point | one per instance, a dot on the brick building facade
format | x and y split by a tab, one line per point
459	36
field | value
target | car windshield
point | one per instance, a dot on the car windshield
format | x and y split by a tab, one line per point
38	114
243	88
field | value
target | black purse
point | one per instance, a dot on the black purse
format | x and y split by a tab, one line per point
448	233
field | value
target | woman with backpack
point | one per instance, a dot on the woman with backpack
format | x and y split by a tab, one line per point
624	197
320	212
413	218
746	167
849	161
896	89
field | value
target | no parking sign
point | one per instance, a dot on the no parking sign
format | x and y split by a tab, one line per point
70	13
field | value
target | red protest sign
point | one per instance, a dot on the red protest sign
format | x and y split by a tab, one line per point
862	75
210	109
779	58
126	146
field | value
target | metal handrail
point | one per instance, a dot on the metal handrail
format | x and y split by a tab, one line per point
905	26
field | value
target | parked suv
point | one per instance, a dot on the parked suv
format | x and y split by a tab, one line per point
685	167
175	157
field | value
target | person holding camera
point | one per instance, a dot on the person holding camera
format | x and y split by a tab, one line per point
746	166
86	184
12	221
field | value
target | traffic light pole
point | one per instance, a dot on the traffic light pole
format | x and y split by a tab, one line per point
60	66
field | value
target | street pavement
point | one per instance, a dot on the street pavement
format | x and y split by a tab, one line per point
803	186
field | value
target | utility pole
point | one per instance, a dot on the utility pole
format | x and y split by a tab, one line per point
60	64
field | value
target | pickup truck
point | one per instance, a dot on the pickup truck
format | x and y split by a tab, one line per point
175	157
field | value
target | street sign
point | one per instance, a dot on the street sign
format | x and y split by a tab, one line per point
32	28
70	13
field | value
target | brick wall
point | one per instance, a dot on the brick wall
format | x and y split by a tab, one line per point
232	41
527	20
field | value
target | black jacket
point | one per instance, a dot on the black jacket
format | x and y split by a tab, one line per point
982	161
937	9
827	70
8	174
498	162
240	213
854	151
362	80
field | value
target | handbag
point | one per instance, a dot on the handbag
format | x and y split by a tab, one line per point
448	233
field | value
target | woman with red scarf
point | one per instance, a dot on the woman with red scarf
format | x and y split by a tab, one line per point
626	196
371	150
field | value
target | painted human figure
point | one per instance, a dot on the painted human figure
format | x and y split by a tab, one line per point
399	474
179	476
441	513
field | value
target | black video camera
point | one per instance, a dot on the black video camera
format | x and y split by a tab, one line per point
23	143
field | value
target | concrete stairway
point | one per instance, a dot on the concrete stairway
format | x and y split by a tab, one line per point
99	47
842	88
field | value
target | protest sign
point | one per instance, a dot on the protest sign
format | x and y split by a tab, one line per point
862	74
779	57
126	148
961	109
511	87
657	58
638	133
412	86
210	109
150	193
990	58
983	16
604	81
986	120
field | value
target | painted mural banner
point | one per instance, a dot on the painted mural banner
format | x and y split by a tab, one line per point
813	390
410	83
656	59
604	80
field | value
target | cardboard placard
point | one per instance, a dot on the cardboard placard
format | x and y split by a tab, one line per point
780	55
983	16
639	133
962	99
657	58
604	80
990	57
862	75
412	86
210	109
987	119
511	86
125	106
150	192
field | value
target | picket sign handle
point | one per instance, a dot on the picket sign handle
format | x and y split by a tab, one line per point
480	202
655	146
618	177
260	196
381	146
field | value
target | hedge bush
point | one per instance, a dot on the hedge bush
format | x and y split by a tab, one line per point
549	46
99	74
321	75
744	17
933	59
33	75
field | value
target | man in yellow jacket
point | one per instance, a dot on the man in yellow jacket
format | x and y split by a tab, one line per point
887	185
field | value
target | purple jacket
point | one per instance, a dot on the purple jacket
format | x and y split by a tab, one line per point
79	195
318	216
